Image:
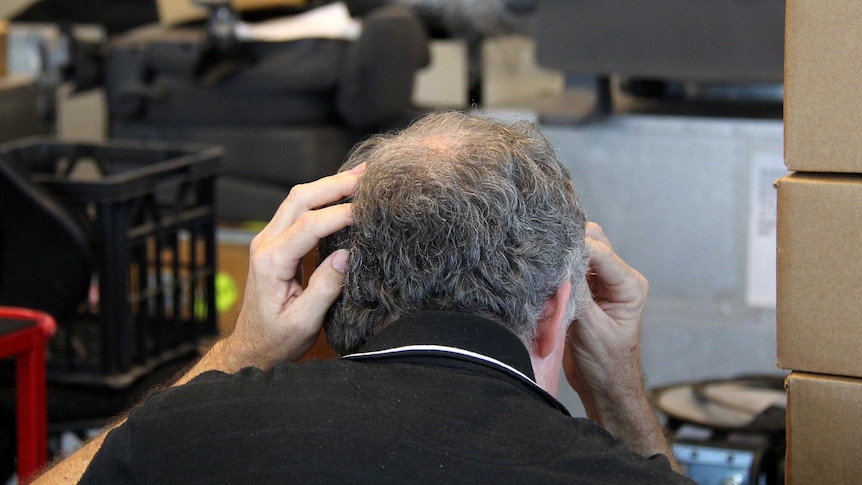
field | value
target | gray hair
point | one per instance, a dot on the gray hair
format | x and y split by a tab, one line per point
458	213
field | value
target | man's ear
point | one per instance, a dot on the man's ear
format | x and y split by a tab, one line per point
549	330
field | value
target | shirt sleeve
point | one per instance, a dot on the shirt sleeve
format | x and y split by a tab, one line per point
116	459
111	465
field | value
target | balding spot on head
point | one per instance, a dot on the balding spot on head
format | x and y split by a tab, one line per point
437	142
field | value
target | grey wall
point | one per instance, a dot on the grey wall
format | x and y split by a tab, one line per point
673	194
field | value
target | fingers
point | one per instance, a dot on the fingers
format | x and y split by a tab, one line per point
303	218
312	226
595	231
308	310
324	287
604	262
280	255
305	197
611	279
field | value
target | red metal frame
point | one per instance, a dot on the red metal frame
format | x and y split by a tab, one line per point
27	346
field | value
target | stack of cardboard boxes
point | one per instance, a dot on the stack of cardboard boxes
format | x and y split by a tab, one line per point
820	242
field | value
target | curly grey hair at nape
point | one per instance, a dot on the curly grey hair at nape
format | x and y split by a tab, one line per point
458	213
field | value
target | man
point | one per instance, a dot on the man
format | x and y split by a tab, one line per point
463	258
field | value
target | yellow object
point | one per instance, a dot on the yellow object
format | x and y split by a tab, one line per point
226	292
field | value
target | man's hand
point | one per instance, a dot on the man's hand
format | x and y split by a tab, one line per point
602	360
280	320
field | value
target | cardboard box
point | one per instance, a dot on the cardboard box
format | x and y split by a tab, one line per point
819	268
172	12
512	78
824	430
445	81
822	86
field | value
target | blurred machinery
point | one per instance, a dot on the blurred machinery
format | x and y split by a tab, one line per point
728	431
286	112
723	51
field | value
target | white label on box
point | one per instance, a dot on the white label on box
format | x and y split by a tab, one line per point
766	168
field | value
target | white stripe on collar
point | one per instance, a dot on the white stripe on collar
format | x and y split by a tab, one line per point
446	350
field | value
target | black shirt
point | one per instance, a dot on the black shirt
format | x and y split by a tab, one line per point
436	397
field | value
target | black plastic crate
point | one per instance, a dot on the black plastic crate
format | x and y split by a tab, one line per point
150	210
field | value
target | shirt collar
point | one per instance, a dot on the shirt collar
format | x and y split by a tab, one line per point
457	336
454	329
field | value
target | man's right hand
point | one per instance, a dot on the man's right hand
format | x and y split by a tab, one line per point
279	319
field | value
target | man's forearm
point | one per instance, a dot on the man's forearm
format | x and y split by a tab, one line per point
71	469
279	320
632	420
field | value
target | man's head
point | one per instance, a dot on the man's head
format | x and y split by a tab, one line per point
458	213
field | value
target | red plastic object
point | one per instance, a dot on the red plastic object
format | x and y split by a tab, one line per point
27	346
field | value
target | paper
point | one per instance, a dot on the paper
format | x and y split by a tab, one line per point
760	271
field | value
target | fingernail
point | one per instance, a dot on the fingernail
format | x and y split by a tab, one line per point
339	261
359	168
